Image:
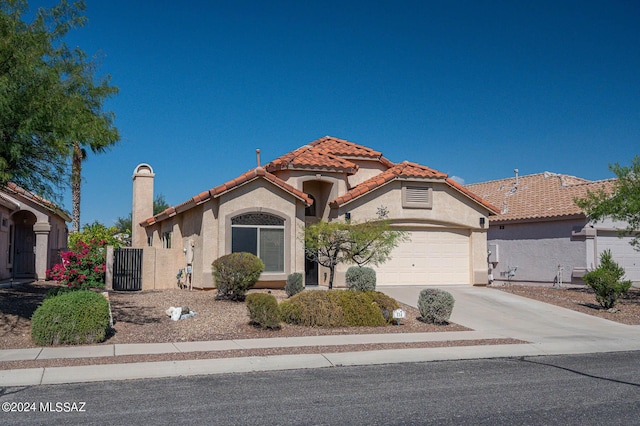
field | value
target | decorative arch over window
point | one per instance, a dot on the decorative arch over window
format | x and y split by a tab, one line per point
261	234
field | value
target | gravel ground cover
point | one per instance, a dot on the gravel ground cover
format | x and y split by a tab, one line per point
140	317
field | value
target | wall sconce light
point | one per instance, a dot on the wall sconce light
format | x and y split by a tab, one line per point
482	222
347	216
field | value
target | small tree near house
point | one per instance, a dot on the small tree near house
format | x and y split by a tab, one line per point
622	203
332	243
607	281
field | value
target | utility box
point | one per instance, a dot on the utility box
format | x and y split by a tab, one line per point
493	253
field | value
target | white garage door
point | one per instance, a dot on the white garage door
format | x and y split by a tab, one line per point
431	257
623	253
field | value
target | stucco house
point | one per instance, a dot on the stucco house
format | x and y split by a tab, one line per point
265	210
541	236
33	231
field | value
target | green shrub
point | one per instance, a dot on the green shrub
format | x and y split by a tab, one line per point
606	281
57	291
75	317
235	274
435	305
361	278
315	308
263	310
294	284
336	308
386	304
360	309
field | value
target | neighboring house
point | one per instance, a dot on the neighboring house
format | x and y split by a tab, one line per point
541	236
265	210
33	231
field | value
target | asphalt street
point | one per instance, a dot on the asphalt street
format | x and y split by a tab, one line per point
586	389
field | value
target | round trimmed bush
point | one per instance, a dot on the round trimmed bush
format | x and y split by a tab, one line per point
263	310
435	305
361	278
294	284
72	318
235	274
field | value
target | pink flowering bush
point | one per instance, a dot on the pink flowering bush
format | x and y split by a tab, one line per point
83	266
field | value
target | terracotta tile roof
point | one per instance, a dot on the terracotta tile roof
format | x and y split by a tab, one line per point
327	153
537	196
11	187
310	158
345	149
249	176
406	171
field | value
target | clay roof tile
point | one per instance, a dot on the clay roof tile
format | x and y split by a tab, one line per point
541	195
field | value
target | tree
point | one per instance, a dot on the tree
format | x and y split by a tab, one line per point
327	243
123	224
159	204
50	100
622	204
607	281
332	243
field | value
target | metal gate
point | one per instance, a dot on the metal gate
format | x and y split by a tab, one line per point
127	269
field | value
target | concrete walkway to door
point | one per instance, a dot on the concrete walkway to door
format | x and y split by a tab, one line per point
550	328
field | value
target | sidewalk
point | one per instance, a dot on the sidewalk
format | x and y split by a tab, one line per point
549	330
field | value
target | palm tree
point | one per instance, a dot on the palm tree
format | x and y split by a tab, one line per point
79	154
89	126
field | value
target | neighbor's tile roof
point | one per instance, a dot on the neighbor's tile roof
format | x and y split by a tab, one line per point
537	196
327	153
11	187
244	178
406	171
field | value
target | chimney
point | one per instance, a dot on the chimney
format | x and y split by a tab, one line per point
142	206
258	157
516	172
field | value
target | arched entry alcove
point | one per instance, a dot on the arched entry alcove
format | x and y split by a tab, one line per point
23	245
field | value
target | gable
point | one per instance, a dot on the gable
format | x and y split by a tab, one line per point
15	198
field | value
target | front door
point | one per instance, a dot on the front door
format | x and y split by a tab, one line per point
310	272
24	259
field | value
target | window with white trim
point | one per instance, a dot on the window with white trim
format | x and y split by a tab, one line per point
261	234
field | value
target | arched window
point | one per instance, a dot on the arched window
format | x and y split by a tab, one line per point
261	234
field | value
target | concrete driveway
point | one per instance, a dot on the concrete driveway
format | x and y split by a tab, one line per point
551	328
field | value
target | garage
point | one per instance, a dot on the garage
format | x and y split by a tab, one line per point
623	253
430	257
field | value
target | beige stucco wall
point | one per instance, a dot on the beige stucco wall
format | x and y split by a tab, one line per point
449	210
262	196
209	226
448	207
366	170
159	268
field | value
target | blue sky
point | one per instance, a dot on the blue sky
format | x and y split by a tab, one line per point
474	89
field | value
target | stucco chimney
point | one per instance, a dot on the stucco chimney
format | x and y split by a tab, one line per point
142	206
258	157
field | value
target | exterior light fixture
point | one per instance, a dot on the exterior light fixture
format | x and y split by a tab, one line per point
482	222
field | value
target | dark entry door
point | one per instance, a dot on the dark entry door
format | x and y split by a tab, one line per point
24	259
310	272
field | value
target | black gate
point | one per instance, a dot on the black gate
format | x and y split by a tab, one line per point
127	269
